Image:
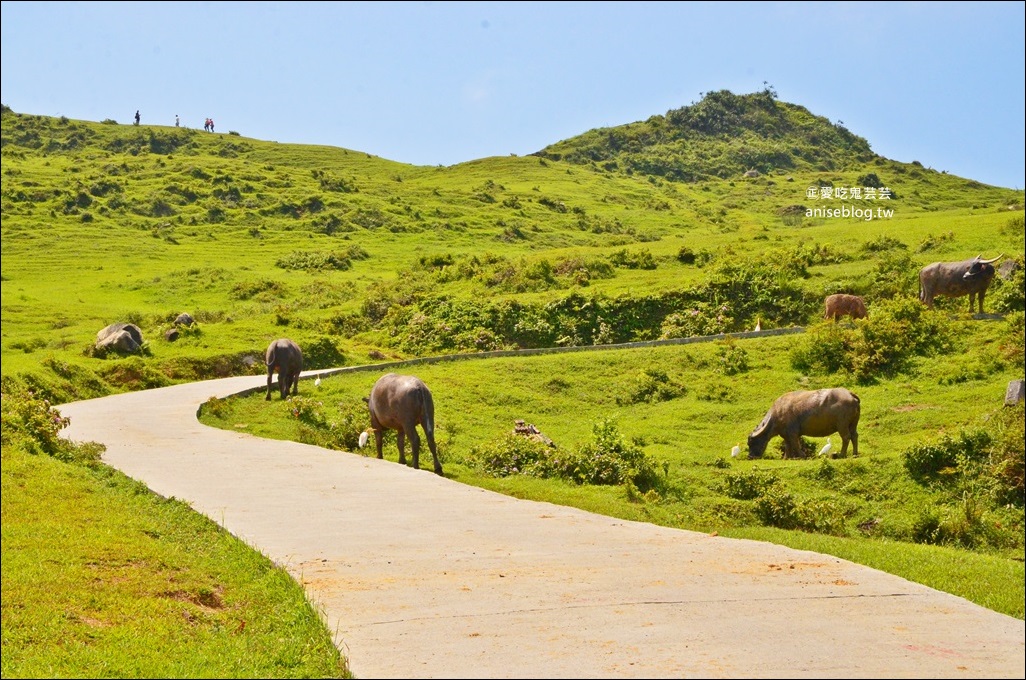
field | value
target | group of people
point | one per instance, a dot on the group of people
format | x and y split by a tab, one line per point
208	124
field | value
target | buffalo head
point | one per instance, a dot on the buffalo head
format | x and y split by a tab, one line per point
979	268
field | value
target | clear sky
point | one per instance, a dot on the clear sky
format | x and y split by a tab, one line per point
440	83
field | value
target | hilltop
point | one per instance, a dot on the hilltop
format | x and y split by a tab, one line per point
722	136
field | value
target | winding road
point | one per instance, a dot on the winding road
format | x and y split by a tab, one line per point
419	576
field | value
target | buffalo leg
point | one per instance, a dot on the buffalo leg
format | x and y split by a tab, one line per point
401	438
415	446
792	445
379	435
434	452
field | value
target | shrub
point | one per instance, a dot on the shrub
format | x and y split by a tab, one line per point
30	422
781	509
685	255
607	460
777	508
823	349
222	409
941	458
883	243
306	410
1007	454
745	486
651	386
343	432
640	260
308	261
702	319
731	358
884	344
870	180
610	459
322	352
1013	340
895	274
1009	295
514	454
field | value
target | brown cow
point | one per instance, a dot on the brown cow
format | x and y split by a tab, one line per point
283	355
842	304
400	403
815	413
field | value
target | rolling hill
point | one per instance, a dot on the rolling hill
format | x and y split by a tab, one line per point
735	212
606	237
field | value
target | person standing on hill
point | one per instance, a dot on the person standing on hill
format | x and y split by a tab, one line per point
137	116
176	120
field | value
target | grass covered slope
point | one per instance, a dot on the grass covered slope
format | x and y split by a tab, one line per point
355	256
104	579
646	231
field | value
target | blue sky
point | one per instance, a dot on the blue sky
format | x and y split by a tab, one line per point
440	83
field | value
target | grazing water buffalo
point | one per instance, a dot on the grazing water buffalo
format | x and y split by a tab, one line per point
400	403
815	413
842	304
955	279
283	355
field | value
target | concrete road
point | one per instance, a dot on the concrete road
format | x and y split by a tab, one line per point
422	577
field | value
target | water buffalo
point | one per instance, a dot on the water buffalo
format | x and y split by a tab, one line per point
283	355
815	413
400	403
955	279
842	304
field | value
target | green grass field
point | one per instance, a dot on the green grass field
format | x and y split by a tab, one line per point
643	232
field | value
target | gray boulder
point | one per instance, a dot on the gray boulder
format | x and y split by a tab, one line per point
1007	268
1014	393
184	319
120	337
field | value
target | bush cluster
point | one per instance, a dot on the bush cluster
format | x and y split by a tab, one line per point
883	345
608	459
991	462
650	386
982	472
32	423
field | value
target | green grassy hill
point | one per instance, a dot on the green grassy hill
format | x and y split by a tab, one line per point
709	220
722	136
357	257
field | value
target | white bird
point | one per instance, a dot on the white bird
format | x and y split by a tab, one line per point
827	448
317	383
734	452
758	324
363	439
